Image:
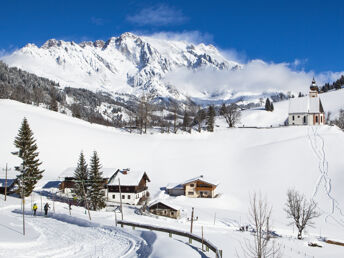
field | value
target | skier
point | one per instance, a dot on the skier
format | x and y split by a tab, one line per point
34	208
46	207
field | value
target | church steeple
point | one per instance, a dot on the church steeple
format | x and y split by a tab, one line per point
313	89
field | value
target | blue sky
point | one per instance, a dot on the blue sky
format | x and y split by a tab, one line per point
308	32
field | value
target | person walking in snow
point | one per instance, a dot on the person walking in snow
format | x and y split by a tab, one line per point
34	208
46	207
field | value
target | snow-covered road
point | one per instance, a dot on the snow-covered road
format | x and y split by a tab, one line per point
76	238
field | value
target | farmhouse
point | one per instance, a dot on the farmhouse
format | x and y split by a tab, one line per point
68	181
9	183
163	208
198	187
131	186
307	110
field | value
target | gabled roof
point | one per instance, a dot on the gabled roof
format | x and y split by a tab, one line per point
69	172
201	178
166	203
305	105
9	182
131	178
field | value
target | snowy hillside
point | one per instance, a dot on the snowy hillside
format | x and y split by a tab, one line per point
127	64
242	160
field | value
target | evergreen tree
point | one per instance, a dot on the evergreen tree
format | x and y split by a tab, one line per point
81	177
211	118
30	173
272	107
267	104
96	183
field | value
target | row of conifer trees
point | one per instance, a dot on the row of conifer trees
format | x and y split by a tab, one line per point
89	182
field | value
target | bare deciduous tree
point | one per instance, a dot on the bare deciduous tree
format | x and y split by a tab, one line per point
231	113
300	210
259	215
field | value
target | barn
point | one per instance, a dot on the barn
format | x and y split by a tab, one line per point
163	208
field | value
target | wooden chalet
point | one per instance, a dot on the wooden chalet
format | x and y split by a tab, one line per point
198	187
68	180
10	184
163	208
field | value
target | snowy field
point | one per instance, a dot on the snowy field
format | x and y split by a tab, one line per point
243	160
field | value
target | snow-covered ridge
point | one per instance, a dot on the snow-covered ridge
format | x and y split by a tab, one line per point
127	64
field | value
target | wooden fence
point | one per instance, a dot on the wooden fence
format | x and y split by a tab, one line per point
171	232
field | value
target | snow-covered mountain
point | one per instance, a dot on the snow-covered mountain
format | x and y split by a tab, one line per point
128	64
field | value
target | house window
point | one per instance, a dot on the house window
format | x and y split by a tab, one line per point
113	196
123	196
298	116
321	119
128	196
293	118
316	119
172	213
190	193
192	185
304	119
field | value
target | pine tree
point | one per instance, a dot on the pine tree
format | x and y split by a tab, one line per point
272	107
267	105
81	178
96	183
211	118
30	173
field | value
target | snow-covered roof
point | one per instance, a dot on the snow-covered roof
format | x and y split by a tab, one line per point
169	204
174	186
107	172
305	105
9	182
131	178
201	178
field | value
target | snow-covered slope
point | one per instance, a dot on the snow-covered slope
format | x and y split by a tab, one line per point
126	64
242	159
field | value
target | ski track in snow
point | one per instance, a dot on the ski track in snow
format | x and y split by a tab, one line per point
77	238
318	146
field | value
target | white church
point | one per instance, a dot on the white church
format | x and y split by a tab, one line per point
307	110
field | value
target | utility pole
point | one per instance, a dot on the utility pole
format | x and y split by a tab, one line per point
202	240
192	219
120	197
23	200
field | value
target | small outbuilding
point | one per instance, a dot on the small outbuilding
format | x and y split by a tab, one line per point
163	208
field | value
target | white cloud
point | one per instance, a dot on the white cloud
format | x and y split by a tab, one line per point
194	36
160	15
256	76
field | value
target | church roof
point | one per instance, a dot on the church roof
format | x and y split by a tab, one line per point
305	105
